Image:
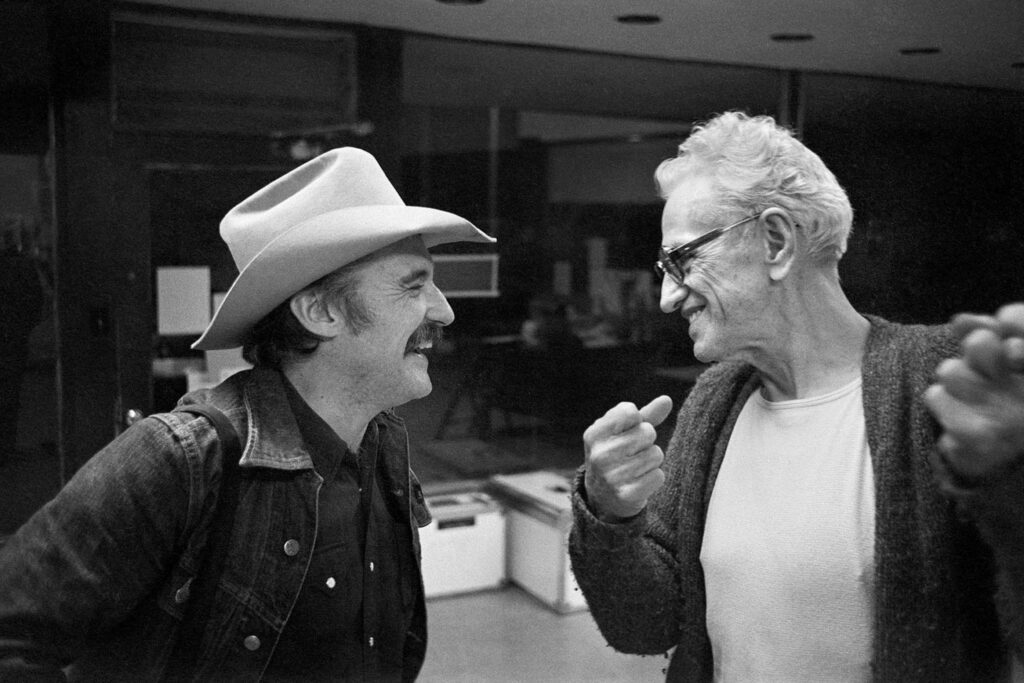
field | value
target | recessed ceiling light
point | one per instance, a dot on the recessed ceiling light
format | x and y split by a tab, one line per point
792	37
638	19
912	51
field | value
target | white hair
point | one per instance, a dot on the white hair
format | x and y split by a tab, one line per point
756	164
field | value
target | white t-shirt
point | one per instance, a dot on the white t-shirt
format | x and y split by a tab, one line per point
788	549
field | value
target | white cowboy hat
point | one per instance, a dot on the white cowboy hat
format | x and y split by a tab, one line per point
330	211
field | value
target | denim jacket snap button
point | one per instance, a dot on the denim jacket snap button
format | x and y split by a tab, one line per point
291	547
252	643
182	594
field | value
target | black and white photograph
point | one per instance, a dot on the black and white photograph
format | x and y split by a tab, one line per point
512	341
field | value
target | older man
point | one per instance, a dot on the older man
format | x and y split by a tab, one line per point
317	575
795	530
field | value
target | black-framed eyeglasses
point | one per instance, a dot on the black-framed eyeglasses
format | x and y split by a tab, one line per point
672	262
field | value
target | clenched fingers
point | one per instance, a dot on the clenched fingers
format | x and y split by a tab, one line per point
1011	319
984	350
960	379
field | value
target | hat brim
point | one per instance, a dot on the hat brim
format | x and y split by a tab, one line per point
317	247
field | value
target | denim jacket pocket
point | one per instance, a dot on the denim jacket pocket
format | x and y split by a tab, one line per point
242	640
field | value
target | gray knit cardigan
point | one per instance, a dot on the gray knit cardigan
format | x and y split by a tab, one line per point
935	614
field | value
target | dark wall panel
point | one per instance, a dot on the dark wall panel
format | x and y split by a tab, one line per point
937	216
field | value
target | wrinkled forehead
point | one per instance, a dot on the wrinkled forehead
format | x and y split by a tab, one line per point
690	208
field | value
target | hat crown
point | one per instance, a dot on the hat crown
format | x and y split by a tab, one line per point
338	179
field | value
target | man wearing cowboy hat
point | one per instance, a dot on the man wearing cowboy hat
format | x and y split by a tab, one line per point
318	570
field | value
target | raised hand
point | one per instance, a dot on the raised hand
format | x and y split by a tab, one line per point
623	465
979	398
1007	323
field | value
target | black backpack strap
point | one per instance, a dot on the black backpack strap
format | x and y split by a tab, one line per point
211	564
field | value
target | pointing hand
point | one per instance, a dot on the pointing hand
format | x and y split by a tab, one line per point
623	466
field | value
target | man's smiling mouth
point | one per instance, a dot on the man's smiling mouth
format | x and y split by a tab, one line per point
421	349
692	312
423	339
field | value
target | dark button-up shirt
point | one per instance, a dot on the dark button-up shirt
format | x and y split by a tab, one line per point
348	622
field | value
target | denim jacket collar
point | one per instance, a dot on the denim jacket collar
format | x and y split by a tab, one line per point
257	404
274	439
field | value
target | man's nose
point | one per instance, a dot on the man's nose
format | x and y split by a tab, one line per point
440	310
672	294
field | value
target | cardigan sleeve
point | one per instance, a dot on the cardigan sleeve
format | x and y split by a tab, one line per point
996	507
628	574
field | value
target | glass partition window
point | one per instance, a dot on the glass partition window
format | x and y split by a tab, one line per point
29	463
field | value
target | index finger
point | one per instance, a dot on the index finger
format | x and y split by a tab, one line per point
984	352
1011	320
621	418
965	323
625	416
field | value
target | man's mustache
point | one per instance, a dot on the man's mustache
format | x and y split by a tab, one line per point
427	333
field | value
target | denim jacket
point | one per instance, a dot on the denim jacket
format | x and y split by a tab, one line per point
100	577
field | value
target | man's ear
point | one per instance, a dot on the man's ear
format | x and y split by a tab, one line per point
780	235
315	314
